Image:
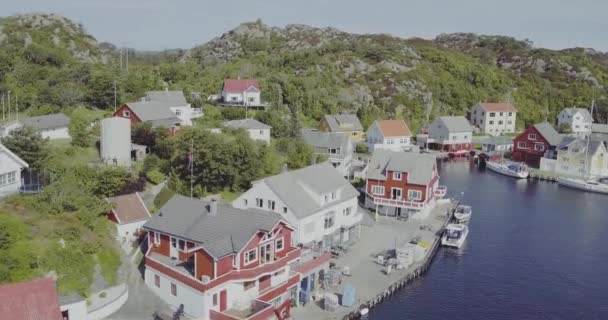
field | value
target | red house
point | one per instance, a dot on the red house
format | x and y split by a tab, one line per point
218	262
402	184
30	300
539	140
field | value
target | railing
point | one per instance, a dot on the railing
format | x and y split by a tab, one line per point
274	292
397	202
311	262
441	191
257	311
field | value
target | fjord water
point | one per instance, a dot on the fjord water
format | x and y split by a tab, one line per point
535	251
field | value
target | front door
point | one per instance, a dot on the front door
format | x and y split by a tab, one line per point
266	253
223	300
396	193
173	248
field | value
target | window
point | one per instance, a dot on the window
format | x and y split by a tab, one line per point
396	175
333	195
509	122
465	136
389	141
8	178
173	289
483	113
251	256
353	133
539	147
157	281
181	245
12	177
126	114
510	114
326	198
261	132
271	205
333	151
532	136
284	209
500	122
346	211
414	194
259	202
454	137
379	190
178	113
251	99
233	98
245	202
491	122
403	140
279	244
248	285
215	299
329	221
500	114
522	145
492	114
156	238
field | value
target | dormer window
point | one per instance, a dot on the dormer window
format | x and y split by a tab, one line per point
396	175
532	136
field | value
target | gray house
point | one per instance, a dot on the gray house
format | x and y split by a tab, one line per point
52	126
337	147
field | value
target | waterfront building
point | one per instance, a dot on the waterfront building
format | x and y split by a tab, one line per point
337	147
576	120
449	134
347	124
389	134
574	160
494	118
538	141
214	261
402	184
599	131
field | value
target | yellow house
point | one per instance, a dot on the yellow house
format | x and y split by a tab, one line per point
343	123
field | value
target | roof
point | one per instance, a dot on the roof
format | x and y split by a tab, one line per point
246	124
238	85
343	122
47	122
14	156
324	140
393	128
176	98
153	111
456	123
548	132
222	234
584	112
129	208
498	140
418	166
30	300
599	128
594	145
294	188
498	107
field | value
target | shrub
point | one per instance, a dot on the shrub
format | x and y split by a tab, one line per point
155	176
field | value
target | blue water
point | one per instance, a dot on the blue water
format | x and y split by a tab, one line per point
534	251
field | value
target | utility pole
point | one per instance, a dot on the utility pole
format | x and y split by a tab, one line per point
127	60
9	106
191	167
114	95
17	106
3	117
120	54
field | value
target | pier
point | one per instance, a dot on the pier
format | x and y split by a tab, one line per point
535	174
370	279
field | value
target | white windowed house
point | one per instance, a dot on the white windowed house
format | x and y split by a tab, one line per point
176	102
571	154
316	200
494	118
389	134
241	92
337	146
10	171
576	120
51	126
256	130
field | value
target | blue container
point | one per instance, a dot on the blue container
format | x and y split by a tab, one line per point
349	295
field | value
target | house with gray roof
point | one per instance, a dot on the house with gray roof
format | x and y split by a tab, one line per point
220	262
575	120
176	102
11	166
257	131
51	126
337	147
536	144
599	131
578	158
316	200
158	114
450	134
402	184
347	124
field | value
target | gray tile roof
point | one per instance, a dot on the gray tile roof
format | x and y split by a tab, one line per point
418	166
175	98
321	141
584	112
49	121
246	124
222	234
549	133
599	128
456	123
292	188
593	144
343	122
154	111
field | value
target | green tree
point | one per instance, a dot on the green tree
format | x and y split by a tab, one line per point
100	90
28	145
80	129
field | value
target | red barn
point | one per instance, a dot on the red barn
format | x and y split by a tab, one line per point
539	140
402	184
159	114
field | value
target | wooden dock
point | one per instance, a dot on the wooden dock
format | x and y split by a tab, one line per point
536	174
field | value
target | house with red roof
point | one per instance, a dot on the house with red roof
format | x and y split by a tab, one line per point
129	213
388	134
30	300
494	118
241	92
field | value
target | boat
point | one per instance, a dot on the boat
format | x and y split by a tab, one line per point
599	185
454	235
515	170
462	214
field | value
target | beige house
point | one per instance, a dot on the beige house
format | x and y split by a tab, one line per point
571	158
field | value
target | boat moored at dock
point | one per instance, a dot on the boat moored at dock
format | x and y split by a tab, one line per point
455	235
462	214
599	185
515	170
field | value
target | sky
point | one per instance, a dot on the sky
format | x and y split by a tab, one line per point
164	24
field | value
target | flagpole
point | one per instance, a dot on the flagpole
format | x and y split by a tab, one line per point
191	166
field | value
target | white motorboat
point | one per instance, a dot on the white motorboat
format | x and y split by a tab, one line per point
599	185
455	235
515	170
463	213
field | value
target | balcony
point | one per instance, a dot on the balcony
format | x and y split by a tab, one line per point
416	205
441	191
273	292
258	310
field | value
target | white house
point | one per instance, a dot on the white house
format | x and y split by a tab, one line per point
244	92
256	130
52	126
450	134
337	146
176	101
494	118
130	214
316	200
571	158
10	171
577	120
388	134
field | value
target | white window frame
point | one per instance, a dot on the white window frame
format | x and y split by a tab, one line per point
276	244
539	146
246	260
271	204
156	238
259	203
126	114
397	175
173	285
379	190
417	192
522	145
531	136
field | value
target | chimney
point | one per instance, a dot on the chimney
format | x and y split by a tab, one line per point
213	206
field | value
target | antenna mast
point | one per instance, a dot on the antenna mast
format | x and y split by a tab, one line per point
588	170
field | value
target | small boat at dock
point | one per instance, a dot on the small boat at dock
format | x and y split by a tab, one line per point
515	170
599	185
455	235
462	213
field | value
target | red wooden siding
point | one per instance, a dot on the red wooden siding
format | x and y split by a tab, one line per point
204	264
224	265
528	154
121	113
163	247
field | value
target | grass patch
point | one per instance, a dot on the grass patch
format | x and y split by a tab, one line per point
109	260
230	195
163	196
